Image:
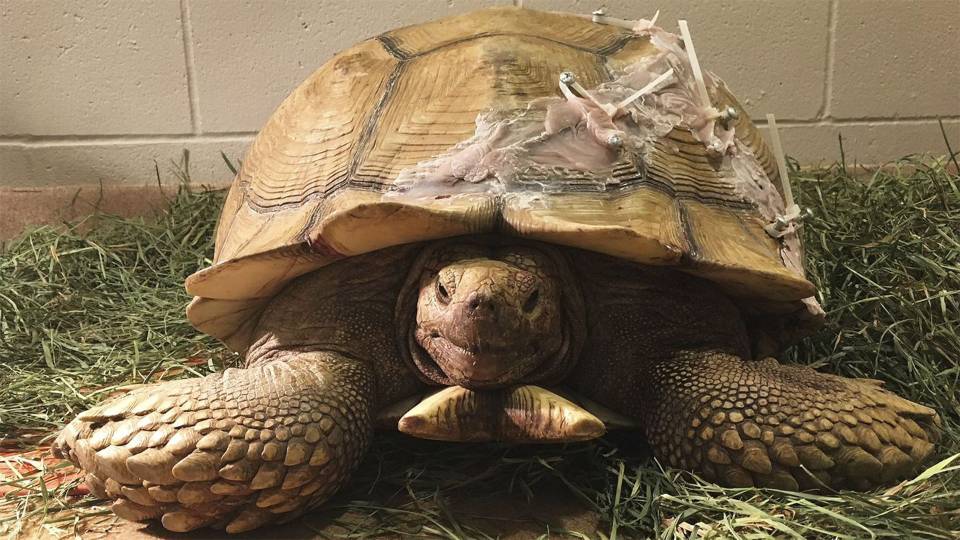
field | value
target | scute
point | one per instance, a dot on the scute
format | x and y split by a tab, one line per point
317	184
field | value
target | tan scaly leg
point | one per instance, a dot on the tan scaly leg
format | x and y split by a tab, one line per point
761	423
236	449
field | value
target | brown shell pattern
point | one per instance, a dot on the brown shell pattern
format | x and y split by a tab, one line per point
316	184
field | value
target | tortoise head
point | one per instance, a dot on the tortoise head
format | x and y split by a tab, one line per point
491	315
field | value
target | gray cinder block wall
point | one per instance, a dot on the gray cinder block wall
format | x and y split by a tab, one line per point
96	93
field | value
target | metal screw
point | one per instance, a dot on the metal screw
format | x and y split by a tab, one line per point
728	115
600	12
780	223
567	78
615	140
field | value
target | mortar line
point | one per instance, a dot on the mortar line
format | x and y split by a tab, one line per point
122	140
188	57
832	17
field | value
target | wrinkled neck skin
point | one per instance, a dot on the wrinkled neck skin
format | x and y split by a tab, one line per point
487	313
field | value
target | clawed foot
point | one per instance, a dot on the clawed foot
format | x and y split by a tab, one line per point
233	450
788	427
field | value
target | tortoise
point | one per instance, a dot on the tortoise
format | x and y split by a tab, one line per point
506	225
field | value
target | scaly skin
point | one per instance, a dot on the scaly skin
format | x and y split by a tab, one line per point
246	447
234	449
788	427
249	446
669	349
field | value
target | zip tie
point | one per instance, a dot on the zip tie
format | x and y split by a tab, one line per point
792	215
568	81
781	161
650	87
656	15
599	16
695	65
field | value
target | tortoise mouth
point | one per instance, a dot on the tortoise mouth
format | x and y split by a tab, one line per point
473	366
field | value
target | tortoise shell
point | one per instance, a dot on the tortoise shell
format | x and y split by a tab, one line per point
370	151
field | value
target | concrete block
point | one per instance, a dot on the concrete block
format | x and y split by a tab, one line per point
83	68
772	55
896	59
251	55
132	163
866	143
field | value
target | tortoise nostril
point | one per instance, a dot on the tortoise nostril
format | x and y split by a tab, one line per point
532	301
474	301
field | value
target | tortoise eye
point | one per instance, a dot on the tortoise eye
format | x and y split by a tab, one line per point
532	301
442	293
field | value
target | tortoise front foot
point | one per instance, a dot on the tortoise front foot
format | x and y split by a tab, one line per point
789	427
232	450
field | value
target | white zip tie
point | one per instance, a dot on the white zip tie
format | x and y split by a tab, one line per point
600	17
650	87
781	161
568	83
569	80
695	64
792	213
656	15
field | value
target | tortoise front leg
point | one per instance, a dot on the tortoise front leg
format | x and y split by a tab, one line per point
764	424
236	449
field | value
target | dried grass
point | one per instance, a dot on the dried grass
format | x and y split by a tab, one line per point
82	314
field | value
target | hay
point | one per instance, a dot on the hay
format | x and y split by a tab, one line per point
82	314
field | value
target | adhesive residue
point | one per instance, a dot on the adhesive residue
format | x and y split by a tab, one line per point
584	134
575	133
